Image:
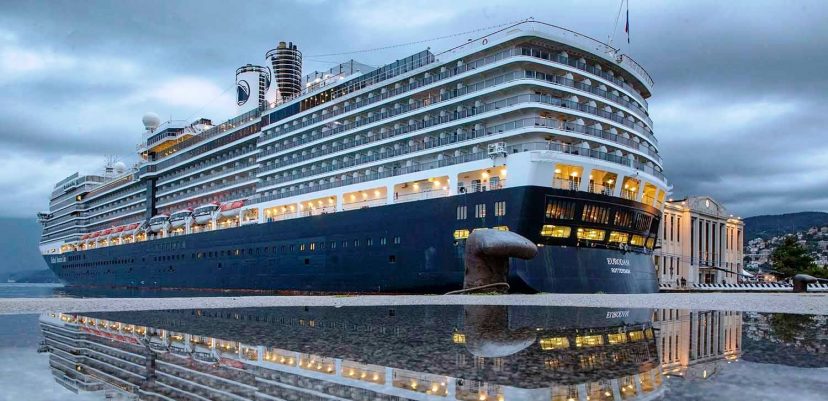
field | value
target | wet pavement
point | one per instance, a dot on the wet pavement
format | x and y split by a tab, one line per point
460	351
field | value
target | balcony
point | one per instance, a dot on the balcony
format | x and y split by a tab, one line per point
471	65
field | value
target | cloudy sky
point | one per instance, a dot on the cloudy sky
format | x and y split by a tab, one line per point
739	104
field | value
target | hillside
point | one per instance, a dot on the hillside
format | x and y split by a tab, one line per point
19	252
769	226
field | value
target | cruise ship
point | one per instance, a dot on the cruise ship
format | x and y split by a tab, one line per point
362	179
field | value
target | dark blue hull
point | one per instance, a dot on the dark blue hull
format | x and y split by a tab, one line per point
399	248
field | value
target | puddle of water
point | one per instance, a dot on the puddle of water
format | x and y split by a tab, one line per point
415	353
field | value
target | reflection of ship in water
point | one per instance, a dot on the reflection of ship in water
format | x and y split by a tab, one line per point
694	344
366	353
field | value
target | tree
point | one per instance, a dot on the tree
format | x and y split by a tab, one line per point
791	258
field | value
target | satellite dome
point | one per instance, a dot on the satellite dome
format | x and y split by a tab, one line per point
120	167
151	121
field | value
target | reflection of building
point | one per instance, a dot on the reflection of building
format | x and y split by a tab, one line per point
700	243
402	353
693	343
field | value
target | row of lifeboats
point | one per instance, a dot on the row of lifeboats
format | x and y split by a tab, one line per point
110	233
200	215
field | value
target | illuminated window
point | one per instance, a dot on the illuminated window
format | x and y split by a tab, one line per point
595	214
547	344
591	234
549	230
302	247
651	243
458	338
619	237
313	246
616	338
461	234
636	335
560	209
501	228
637	240
623	218
589	341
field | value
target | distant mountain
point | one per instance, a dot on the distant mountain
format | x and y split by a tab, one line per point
779	224
19	251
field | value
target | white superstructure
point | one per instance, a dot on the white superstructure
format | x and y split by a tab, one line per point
534	105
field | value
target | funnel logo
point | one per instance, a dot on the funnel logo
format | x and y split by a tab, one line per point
242	92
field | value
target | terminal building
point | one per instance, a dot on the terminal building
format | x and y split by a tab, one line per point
700	243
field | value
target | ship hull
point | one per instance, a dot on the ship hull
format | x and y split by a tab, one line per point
399	248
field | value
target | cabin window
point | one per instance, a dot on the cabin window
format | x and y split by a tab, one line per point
383	241
619	237
301	247
396	240
553	343
637	240
356	242
560	209
549	230
591	234
500	208
623	218
369	242
480	211
313	246
595	214
333	244
461	212
642	222
651	242
461	234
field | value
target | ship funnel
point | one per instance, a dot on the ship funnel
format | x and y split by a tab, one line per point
252	82
286	62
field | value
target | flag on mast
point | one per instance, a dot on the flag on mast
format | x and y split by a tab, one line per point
627	27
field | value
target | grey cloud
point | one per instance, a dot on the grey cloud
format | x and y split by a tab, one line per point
717	54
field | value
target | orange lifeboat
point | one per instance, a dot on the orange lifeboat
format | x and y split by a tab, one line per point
231	209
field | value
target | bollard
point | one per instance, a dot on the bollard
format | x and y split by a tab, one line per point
487	256
801	281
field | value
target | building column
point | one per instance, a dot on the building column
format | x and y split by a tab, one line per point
640	191
584	187
390	195
339	202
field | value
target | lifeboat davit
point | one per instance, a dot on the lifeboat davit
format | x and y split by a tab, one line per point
179	218
156	223
231	209
204	213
